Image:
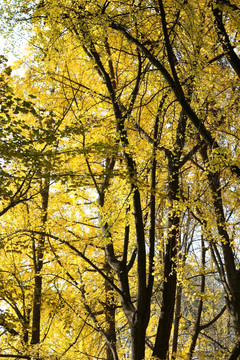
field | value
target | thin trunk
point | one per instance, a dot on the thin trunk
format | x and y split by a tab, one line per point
197	327
170	279
182	259
230	267
110	316
167	308
177	321
224	39
38	260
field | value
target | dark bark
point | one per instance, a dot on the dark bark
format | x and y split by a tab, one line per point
38	264
169	290
138	333
109	310
161	346
36	320
152	230
233	296
211	322
198	123
235	352
225	40
197	326
5	324
140	316
177	321
176	87
135	316
184	247
170	278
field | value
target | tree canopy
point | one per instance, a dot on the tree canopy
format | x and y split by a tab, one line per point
120	181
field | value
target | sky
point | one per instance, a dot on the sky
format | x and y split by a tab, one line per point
11	58
13	46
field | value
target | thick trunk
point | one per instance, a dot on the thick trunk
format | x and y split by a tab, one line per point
161	347
36	310
138	341
166	318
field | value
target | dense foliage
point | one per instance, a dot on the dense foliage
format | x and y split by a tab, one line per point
120	181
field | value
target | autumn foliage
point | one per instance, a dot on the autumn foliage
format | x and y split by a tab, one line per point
119	176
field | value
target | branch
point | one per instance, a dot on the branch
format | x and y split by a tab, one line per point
204	326
228	4
7	327
136	88
171	56
79	253
198	123
131	261
225	41
189	155
126	241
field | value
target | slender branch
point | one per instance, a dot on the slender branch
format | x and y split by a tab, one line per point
228	4
78	252
131	261
198	123
204	326
170	53
190	154
225	40
6	326
126	240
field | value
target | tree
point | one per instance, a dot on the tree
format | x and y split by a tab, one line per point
145	97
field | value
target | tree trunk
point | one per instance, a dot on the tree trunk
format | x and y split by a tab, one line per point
138	341
38	264
110	315
233	297
170	279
